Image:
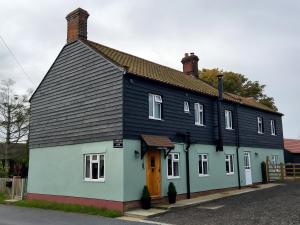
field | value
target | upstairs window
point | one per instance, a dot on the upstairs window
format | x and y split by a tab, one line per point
228	119
273	127
260	125
94	167
199	114
173	165
155	102
203	165
229	164
186	106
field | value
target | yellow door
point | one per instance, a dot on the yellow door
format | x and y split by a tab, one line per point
153	172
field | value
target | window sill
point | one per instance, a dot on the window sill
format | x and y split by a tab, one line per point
273	134
152	118
203	175
199	125
260	133
229	128
94	180
229	174
171	178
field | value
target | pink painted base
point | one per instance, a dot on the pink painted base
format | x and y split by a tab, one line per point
99	203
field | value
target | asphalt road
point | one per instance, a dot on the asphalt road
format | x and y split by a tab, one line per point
13	215
275	206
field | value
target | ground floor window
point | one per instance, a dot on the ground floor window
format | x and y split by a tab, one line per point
94	167
173	165
203	165
229	164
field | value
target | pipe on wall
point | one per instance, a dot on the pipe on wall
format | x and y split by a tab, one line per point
238	144
219	146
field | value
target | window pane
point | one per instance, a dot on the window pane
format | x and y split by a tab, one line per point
205	167
87	166
176	169
197	113
101	169
169	165
94	170
227	166
157	110
201	117
231	163
200	165
150	105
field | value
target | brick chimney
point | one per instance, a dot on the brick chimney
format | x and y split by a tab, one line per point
77	25
190	64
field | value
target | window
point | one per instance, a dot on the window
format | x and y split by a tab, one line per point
260	125
228	119
203	165
229	164
155	102
199	114
94	167
273	127
186	107
173	165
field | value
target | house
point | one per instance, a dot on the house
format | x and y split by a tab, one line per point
105	123
16	155
292	150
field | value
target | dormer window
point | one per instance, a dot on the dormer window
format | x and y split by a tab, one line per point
186	106
155	102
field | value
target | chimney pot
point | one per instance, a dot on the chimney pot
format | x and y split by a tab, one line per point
190	64
77	25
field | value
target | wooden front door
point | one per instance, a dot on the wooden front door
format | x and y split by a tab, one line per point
153	172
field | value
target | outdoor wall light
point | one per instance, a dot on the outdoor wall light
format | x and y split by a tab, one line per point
136	154
256	153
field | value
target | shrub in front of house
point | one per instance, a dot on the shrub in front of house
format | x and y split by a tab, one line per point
146	199
172	193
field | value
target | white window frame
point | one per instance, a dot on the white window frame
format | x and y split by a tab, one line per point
156	101
203	159
199	112
260	130
273	127
174	159
228	120
230	159
186	107
275	162
99	179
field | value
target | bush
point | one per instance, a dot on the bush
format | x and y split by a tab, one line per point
146	198
264	173
172	193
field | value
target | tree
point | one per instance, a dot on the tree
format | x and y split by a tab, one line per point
238	84
14	115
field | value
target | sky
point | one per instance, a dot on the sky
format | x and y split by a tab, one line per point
259	39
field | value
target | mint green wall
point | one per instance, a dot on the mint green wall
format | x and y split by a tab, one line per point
59	171
135	177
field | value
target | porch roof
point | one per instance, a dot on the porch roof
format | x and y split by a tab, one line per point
157	141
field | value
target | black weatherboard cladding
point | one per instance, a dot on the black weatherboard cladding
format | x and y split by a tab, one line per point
79	100
174	120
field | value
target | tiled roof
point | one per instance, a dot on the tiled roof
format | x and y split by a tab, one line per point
150	70
157	141
292	145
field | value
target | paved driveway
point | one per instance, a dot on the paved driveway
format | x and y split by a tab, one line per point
274	206
12	215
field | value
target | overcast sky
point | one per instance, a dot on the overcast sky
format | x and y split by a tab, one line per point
258	38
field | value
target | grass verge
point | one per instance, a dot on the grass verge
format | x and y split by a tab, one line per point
2	197
68	208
